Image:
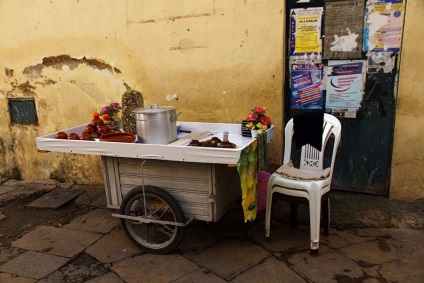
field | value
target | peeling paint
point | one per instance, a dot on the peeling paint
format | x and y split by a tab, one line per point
25	88
66	63
169	97
8	72
345	43
47	81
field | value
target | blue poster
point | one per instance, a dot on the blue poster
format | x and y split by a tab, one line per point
345	84
306	86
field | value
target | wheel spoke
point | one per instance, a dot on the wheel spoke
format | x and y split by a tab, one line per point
165	211
160	207
166	230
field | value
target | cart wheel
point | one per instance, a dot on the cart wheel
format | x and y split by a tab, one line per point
160	205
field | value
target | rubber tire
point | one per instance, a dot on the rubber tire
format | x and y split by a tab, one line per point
173	205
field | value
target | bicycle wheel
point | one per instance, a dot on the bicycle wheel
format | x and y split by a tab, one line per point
156	238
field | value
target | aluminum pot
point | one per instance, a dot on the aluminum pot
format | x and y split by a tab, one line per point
156	124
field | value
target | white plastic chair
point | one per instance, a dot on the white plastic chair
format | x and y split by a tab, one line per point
315	191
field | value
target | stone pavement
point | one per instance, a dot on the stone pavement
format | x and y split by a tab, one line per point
93	248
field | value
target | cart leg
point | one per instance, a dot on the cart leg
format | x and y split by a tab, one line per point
155	204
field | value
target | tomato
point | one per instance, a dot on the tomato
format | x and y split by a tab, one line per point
96	115
106	117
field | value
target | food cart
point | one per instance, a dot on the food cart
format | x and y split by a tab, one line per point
155	189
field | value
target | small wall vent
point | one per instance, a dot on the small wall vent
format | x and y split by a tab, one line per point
22	111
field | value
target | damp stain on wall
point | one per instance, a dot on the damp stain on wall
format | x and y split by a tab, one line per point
25	88
170	18
66	62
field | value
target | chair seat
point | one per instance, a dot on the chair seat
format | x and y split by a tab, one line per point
288	171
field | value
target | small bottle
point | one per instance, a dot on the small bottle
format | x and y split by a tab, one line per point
225	137
225	143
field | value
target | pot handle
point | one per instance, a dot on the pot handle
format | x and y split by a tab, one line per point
174	118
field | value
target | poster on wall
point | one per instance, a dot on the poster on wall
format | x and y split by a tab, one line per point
343	29
306	86
381	62
345	84
305	31
383	25
311	58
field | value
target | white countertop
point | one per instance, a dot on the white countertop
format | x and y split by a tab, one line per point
157	151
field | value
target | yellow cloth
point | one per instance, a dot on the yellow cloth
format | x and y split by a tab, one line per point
247	168
252	159
262	143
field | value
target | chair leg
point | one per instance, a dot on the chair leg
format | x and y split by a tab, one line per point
326	215
268	214
293	214
314	252
314	216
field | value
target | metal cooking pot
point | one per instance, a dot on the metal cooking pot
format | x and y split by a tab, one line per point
156	124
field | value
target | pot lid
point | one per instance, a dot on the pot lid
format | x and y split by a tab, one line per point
154	108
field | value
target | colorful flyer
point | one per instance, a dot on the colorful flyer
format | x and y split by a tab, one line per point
383	25
305	30
345	84
306	86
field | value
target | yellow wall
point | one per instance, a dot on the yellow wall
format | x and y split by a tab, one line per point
220	57
408	157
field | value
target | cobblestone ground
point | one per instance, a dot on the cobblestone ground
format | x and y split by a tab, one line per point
371	240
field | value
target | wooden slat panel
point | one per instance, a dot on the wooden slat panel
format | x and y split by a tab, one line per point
189	183
112	185
165	171
180	195
226	188
198	208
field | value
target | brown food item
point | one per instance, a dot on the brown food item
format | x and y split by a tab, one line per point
194	143
97	122
214	142
87	137
90	129
61	135
118	137
104	130
73	136
204	143
228	145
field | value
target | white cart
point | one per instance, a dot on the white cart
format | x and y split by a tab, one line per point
159	189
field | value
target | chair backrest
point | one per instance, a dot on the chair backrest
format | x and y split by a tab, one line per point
312	159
